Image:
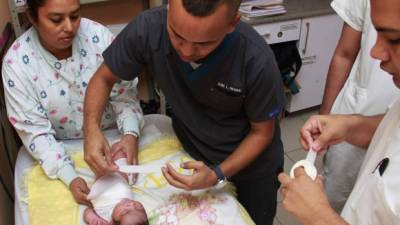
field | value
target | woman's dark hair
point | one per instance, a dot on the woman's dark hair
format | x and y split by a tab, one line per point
33	7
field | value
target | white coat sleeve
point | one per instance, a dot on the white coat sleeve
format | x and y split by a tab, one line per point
29	118
351	11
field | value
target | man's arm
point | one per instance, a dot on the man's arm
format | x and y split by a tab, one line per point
341	64
323	131
259	137
95	144
362	129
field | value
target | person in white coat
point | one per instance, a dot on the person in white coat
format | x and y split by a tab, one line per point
375	198
355	84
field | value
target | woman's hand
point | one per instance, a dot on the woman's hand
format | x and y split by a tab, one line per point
80	190
129	145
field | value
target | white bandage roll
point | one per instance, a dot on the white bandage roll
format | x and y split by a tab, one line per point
310	169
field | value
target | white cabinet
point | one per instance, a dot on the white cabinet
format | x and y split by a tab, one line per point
318	40
280	31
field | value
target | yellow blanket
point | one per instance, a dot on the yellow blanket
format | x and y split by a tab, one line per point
51	203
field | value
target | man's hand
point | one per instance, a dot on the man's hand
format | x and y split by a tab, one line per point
203	176
128	144
80	191
322	131
306	199
97	153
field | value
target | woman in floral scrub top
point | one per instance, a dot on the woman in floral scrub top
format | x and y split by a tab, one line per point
45	75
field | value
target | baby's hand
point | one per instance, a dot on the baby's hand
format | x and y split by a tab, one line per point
80	190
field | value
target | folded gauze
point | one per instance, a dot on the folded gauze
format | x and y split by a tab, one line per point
108	191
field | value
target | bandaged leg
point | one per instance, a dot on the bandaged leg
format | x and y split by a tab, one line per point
91	218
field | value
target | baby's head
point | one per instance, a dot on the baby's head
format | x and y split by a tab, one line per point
130	212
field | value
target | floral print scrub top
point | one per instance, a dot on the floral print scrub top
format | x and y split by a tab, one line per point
44	95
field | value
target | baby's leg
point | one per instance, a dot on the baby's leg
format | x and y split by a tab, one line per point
91	218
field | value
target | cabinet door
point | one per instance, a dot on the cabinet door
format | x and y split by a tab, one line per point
318	40
279	31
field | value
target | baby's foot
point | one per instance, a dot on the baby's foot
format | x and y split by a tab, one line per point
91	218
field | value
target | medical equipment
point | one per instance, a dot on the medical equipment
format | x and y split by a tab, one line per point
307	164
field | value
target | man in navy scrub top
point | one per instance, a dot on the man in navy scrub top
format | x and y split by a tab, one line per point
223	84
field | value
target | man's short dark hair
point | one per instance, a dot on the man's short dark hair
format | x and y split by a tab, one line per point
203	8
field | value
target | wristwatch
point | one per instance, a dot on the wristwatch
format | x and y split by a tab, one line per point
221	179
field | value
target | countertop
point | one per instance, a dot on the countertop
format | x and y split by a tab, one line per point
297	9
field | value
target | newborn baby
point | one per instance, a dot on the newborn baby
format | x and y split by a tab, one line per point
112	200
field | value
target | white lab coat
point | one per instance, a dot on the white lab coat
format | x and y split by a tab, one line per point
368	91
375	199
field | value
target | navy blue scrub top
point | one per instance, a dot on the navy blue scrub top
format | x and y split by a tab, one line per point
212	105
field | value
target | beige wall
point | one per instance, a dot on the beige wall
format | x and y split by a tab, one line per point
4	14
112	12
109	12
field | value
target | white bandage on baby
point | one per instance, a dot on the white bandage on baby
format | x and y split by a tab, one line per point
139	169
307	164
124	162
108	191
